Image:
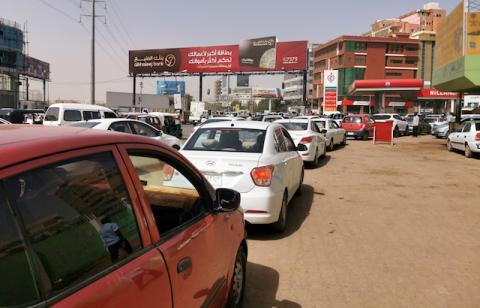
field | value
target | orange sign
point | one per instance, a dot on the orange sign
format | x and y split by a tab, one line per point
449	46
473	34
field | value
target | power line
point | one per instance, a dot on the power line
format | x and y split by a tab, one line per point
120	20
59	11
80	83
122	47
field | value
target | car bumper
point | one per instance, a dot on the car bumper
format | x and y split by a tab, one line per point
262	205
356	133
474	146
309	155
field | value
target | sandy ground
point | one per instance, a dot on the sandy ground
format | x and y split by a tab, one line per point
377	226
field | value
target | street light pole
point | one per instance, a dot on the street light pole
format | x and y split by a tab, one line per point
93	54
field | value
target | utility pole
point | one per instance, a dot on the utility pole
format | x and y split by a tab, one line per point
93	16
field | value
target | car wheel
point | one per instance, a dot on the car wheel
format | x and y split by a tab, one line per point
300	187
396	132
468	152
235	296
449	146
281	224
331	145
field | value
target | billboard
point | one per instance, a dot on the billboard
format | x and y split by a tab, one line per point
36	68
473	34
449	42
219	59
259	53
330	91
243	81
170	87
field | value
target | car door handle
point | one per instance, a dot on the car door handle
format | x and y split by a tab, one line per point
184	264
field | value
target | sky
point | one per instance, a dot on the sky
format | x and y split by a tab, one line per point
56	36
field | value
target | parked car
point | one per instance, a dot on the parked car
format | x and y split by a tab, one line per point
134	127
423	127
334	134
65	114
358	126
337	117
90	218
2	121
24	116
257	159
268	117
216	120
466	138
400	126
441	130
308	139
147	118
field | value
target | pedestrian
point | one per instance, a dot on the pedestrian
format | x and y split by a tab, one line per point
416	122
113	239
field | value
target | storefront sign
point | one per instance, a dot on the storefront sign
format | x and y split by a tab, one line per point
432	93
330	91
218	59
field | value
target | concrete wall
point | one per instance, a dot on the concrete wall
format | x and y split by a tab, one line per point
121	100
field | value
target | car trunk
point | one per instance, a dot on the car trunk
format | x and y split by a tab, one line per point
352	126
226	169
297	135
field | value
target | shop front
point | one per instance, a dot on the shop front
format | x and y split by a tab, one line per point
433	101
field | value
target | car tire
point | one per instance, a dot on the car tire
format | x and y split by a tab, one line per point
396	132
331	146
281	224
468	152
239	275
449	146
300	187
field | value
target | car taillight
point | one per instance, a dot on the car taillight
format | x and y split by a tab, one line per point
306	140
477	137
167	172
262	176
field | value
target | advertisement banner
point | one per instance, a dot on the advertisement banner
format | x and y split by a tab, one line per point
449	45
473	34
165	87
330	91
221	59
36	68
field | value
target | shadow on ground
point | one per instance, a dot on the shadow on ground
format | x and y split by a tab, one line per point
298	211
261	288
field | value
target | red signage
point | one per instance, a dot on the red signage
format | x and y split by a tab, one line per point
213	59
431	93
330	103
383	132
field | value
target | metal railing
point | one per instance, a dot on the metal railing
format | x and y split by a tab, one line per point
10	23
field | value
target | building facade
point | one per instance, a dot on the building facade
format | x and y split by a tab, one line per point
293	84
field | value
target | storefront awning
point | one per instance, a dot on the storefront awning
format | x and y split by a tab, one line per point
385	85
347	102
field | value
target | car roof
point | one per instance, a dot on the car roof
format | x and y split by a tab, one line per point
384	114
239	124
294	120
20	143
81	106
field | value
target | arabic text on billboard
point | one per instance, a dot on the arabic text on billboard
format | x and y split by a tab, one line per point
36	68
449	45
217	59
330	91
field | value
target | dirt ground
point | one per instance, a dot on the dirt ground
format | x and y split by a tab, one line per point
377	226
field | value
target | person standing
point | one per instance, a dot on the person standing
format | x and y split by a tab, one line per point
416	122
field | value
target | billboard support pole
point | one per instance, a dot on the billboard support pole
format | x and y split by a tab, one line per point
200	94
44	90
27	86
305	80
134	90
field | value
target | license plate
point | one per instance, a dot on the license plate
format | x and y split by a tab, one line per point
215	180
350	133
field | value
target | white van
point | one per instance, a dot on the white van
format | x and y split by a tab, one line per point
65	114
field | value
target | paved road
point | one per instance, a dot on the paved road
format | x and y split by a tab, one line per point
377	226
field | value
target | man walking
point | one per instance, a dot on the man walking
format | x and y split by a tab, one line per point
416	122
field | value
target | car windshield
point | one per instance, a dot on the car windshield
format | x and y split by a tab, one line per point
215	120
227	140
52	114
352	120
381	117
88	124
295	126
477	126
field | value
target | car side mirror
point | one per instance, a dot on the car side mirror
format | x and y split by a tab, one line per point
301	147
323	131
228	200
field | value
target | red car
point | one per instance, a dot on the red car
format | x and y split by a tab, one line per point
147	118
358	126
102	219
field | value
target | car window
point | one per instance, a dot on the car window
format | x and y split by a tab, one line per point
121	127
335	125
477	126
72	115
288	141
280	142
52	114
78	218
89	115
467	127
461	127
109	115
314	127
397	117
380	117
17	283
227	140
174	200
143	130
320	124
295	126
356	120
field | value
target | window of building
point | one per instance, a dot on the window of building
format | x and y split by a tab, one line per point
391	74
174	200
411	48
356	46
396	61
340	59
360	59
78	218
411	61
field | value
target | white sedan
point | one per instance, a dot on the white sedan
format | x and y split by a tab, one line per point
257	159
334	134
130	126
400	126
466	138
307	137
217	119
